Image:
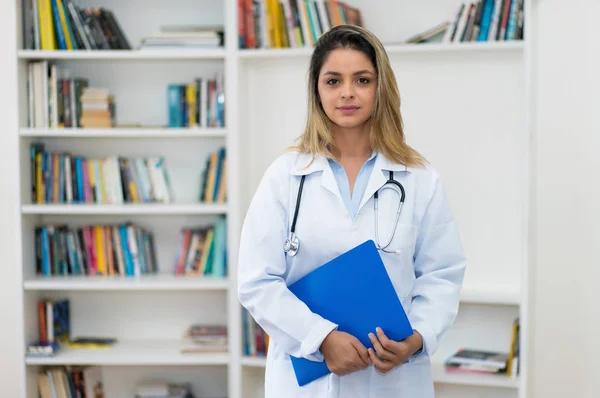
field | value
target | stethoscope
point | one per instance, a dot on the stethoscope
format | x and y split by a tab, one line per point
292	243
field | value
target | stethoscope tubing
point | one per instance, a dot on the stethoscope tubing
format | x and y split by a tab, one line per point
292	243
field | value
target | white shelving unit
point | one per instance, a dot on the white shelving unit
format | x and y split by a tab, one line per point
465	107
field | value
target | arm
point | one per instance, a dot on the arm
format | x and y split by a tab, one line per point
262	268
439	270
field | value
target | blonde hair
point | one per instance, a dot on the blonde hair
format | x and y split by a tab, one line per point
387	130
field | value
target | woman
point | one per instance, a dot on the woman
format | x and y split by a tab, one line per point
352	144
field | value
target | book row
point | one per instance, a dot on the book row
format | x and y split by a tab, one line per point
125	249
290	23
70	382
255	339
488	20
213	179
200	103
478	21
120	249
54	98
202	250
62	25
62	177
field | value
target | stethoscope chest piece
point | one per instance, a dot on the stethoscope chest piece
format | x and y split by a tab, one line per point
291	245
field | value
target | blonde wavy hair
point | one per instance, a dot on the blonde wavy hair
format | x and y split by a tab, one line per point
387	130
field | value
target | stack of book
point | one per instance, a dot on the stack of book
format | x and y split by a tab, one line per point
204	338
184	37
489	362
163	389
97	108
477	361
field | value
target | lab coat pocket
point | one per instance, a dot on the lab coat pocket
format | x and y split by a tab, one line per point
398	255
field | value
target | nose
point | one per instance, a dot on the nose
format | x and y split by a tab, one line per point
347	91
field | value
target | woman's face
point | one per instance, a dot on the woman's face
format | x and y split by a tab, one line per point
347	87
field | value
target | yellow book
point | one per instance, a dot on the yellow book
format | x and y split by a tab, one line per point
511	353
39	191
211	176
275	18
190	97
100	250
47	35
206	252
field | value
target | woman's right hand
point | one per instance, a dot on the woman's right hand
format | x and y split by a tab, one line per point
344	353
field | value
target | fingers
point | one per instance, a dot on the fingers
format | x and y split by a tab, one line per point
362	353
380	349
385	342
380	365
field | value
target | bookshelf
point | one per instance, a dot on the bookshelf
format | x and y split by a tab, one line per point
463	85
466	108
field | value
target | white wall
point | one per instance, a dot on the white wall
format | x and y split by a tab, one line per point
565	312
10	383
566	306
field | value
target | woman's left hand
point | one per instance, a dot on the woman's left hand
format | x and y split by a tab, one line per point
388	353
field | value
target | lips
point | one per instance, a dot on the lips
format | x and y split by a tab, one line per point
348	110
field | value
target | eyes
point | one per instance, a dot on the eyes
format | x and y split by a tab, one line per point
360	80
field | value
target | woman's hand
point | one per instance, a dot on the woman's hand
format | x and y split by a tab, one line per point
344	353
388	353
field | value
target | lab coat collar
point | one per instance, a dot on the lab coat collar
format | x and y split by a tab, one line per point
378	177
305	164
380	174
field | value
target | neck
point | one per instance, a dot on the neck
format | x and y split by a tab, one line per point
352	142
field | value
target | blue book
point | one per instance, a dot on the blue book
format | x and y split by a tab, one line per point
354	291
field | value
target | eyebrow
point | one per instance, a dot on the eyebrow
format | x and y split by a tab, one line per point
360	72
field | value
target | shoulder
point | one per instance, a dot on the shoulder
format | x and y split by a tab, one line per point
426	176
278	175
284	164
426	180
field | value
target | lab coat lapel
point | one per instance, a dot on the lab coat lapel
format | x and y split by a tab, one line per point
329	182
376	179
319	163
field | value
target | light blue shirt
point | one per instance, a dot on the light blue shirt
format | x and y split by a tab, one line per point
352	201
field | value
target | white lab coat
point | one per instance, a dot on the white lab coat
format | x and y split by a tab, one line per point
427	274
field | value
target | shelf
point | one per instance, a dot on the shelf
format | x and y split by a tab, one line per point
482	380
125	133
516	45
126	283
496	295
126	209
166	54
439	375
131	353
391	49
256	362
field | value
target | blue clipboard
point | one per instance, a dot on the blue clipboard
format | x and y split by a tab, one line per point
354	291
